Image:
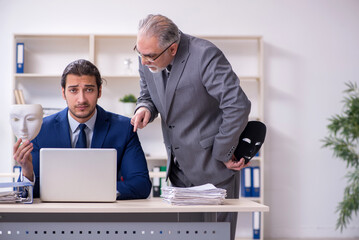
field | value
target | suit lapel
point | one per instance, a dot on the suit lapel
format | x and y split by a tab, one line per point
63	129
176	72
158	79
101	128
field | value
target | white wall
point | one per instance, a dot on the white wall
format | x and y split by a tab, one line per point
311	49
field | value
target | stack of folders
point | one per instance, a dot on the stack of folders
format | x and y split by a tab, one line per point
206	194
250	182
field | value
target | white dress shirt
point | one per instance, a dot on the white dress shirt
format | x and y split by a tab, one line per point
75	130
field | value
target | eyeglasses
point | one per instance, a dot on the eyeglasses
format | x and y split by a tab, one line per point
148	57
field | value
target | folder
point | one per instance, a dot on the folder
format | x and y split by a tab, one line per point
246	182
255	182
256	225
20	58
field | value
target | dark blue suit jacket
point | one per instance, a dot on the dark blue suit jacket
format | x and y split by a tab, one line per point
111	131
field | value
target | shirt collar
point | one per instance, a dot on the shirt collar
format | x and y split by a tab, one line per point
74	124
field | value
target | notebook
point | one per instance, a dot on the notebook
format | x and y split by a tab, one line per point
78	174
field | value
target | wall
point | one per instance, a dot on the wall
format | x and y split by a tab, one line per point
311	50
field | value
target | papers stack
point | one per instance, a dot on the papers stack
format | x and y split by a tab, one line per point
206	194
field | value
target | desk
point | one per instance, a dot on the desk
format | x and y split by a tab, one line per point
132	219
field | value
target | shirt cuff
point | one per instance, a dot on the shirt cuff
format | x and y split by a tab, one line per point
25	179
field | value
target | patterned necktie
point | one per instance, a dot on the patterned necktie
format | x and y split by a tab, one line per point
166	74
82	141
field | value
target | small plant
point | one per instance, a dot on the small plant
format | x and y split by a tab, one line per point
343	139
129	98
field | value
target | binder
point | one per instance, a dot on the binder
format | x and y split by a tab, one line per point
246	182
156	183
255	182
17	170
22	192
163	182
19	57
256	225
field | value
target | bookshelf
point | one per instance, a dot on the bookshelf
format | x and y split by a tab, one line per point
46	56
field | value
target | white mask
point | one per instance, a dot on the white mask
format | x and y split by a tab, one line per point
26	120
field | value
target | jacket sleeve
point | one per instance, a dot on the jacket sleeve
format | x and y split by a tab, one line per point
144	100
133	179
223	84
35	162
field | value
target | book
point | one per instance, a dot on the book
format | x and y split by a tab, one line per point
19	96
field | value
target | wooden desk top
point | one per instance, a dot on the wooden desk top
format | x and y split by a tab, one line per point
152	205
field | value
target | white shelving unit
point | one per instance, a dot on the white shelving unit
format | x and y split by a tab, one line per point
46	56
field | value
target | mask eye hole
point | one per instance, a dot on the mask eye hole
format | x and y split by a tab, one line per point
30	119
246	140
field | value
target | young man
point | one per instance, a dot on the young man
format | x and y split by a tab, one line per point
203	108
81	88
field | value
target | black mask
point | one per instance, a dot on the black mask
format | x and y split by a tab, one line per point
250	140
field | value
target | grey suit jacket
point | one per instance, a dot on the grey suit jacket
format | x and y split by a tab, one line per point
203	109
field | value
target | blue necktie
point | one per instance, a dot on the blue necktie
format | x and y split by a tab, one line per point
82	141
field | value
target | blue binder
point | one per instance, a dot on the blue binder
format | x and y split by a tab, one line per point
256	182
20	58
256	225
246	182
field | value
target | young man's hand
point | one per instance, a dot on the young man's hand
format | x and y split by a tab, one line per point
22	155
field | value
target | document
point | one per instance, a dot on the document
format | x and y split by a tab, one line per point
206	194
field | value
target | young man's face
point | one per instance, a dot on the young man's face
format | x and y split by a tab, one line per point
81	96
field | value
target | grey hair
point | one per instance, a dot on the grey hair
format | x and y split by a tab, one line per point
160	27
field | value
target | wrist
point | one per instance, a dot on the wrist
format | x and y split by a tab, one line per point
29	175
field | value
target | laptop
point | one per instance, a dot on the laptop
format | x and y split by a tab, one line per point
78	175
